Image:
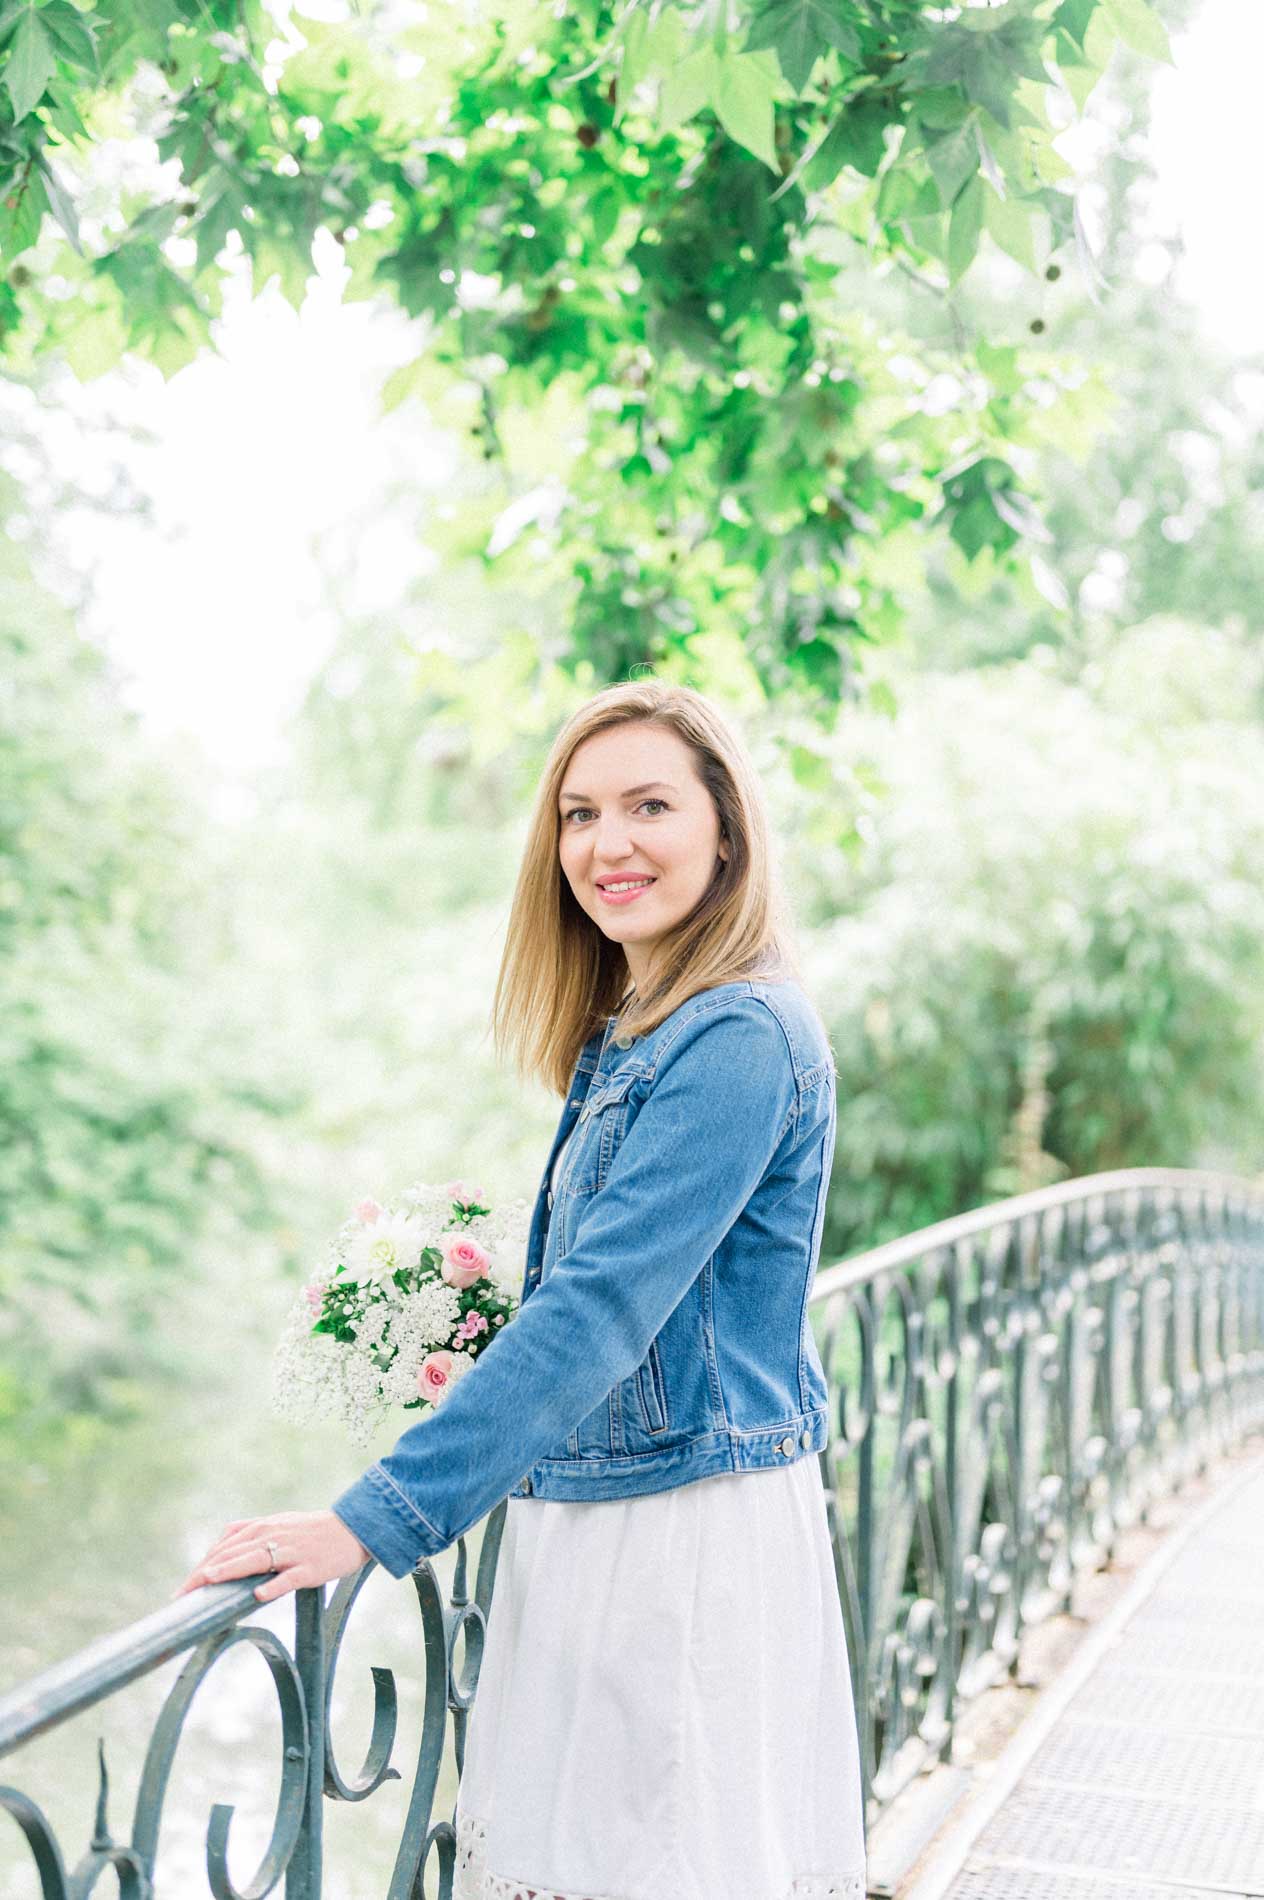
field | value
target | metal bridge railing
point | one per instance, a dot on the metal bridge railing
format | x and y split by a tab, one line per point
1013	1388
1008	1391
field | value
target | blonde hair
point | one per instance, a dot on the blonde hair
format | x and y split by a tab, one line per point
560	976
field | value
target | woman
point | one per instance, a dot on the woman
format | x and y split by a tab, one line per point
664	1708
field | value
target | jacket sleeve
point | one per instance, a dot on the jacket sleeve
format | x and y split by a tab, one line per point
722	1096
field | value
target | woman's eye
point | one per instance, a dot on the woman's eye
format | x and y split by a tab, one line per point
579	810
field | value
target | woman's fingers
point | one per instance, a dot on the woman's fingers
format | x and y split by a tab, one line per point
240	1549
247	1548
311	1548
222	1571
297	1577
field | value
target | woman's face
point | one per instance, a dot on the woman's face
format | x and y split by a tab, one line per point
632	807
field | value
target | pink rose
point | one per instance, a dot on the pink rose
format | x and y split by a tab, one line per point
435	1369
368	1210
467	1193
463	1260
315	1293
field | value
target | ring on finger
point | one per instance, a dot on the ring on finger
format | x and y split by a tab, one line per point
274	1562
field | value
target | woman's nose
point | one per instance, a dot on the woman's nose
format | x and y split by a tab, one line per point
612	842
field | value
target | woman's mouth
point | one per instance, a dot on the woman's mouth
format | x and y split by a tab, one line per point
624	890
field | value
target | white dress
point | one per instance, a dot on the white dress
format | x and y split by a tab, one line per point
664	1707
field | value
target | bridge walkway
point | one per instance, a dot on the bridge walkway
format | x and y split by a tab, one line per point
1138	1774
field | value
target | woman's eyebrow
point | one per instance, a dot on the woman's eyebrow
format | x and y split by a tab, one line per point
655	784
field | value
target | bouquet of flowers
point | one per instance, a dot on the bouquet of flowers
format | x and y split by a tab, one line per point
409	1298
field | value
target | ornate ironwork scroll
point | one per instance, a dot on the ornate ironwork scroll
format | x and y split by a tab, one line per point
1008	1391
209	1622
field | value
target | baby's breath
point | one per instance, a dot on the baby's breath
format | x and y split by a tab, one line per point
383	1306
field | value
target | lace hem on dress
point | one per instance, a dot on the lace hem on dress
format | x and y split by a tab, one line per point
473	1881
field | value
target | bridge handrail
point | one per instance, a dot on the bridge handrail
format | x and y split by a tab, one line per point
1081	1188
111	1661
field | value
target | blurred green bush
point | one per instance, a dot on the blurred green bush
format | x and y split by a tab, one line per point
1047	960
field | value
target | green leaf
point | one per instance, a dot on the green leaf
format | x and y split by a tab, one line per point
856	138
954	160
219	213
927	232
904	195
965	227
20	220
1009	222
999	363
800	31
988	160
986	509
811	769
986	51
97	341
634	65
62	115
1072	18
1140	26
60	203
687	88
30	65
650	48
941	108
1078	78
76	32
270	255
819	665
742	89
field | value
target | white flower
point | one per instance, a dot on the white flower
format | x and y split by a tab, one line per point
371	1328
375	1253
360	1379
425	1319
431	1206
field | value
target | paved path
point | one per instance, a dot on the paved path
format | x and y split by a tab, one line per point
1139	1775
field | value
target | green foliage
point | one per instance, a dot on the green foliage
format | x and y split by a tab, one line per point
1047	960
644	215
129	1110
1149	471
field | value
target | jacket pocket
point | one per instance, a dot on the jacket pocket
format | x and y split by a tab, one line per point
614	1089
653	1393
638	1404
596	1138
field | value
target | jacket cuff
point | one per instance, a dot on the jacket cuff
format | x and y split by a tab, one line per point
395	1534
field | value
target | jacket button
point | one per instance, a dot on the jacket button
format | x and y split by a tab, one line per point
805	1439
786	1446
524	1488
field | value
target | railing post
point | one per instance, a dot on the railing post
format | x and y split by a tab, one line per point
953	1579
304	1874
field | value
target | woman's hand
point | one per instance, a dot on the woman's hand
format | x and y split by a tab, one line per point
311	1547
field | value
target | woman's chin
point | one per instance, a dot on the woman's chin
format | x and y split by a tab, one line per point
628	930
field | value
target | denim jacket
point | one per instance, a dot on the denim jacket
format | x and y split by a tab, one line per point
663	1333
